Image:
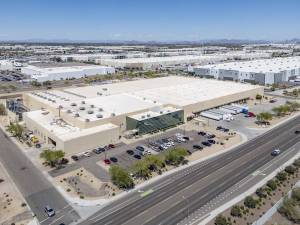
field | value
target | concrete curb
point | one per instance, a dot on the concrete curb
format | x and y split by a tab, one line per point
250	191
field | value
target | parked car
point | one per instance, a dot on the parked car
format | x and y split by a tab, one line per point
113	159
186	138
273	100
219	128
49	211
210	136
111	146
140	148
275	152
75	157
211	141
297	132
106	161
198	147
130	152
97	150
64	161
137	156
251	114
202	133
86	154
206	143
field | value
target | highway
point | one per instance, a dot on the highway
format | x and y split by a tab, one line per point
175	196
33	185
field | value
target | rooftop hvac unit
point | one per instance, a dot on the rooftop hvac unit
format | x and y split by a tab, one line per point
148	115
82	108
143	117
99	116
161	112
53	101
90	112
73	104
104	89
82	102
69	111
87	120
67	99
113	114
144	98
76	114
100	109
99	93
92	106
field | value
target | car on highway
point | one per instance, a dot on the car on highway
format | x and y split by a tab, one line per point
198	147
137	156
130	152
106	161
275	152
113	159
49	211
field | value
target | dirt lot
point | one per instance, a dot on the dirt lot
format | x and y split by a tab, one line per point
81	183
12	206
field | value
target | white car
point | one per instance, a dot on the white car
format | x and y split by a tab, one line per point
275	152
86	154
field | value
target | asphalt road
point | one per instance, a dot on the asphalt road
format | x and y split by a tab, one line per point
172	198
33	185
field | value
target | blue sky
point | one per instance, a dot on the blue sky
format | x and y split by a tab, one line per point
158	20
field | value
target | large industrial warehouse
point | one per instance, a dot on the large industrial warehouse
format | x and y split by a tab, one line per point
82	118
267	71
48	72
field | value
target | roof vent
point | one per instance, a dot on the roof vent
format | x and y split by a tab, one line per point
99	93
100	109
161	112
92	106
69	111
104	89
73	104
82	102
81	108
76	114
87	120
148	115
143	117
90	112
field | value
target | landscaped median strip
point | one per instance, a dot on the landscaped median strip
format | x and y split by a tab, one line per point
144	194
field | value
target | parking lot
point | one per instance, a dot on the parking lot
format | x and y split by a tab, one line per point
125	155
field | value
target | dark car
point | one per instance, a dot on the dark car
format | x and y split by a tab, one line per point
225	129
186	138
206	143
202	133
197	147
219	128
49	211
211	141
297	132
140	148
64	161
75	157
130	152
137	156
113	159
210	136
111	146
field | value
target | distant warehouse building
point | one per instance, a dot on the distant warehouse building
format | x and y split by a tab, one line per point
267	71
83	118
47	72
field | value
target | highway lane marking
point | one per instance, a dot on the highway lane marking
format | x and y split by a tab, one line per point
56	220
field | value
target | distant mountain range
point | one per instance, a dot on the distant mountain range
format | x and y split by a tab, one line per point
134	42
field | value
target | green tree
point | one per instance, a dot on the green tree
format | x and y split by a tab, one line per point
175	156
141	169
52	158
290	169
260	192
250	202
281	176
272	185
120	177
289	210
221	220
296	163
236	211
16	130
35	83
155	161
264	116
296	194
2	110
294	106
258	97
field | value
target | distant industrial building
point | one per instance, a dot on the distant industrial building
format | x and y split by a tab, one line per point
267	71
48	72
82	118
10	65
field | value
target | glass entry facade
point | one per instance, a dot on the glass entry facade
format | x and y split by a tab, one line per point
155	124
